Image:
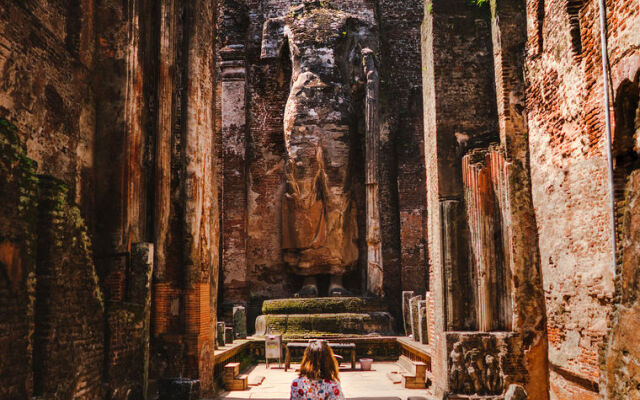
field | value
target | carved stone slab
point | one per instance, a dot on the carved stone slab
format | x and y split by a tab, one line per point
406	311
413	307
422	322
240	322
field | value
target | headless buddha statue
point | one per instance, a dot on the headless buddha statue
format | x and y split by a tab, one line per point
327	49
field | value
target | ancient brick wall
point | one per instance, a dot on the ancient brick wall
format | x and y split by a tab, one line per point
621	361
403	181
126	333
45	54
69	310
132	140
18	223
52	305
570	179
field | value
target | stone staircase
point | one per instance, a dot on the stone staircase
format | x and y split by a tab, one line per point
324	317
415	376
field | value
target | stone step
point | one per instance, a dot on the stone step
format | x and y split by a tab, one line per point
323	305
325	325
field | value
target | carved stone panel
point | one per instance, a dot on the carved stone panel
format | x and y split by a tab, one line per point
483	363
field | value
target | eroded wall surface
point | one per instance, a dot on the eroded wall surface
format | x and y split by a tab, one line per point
566	120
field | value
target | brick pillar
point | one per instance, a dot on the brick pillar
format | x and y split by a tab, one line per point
509	32
234	219
460	114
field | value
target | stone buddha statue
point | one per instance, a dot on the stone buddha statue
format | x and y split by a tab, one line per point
331	57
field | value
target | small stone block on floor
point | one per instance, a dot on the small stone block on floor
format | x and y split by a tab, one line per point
256	380
231	370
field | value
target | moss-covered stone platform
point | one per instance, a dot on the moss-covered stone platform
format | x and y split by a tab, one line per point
324	317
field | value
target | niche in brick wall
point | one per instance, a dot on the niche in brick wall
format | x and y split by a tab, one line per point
574	9
626	151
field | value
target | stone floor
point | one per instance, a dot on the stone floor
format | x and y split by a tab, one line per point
361	385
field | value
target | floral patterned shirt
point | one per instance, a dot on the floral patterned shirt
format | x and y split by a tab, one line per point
305	389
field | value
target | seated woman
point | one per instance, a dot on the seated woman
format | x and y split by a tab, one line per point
318	378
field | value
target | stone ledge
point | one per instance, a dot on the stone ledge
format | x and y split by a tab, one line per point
325	325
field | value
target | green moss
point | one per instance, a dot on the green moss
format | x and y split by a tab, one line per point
127	312
322	305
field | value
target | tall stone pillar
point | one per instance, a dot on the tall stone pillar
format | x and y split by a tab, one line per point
121	112
234	219
375	270
200	202
166	85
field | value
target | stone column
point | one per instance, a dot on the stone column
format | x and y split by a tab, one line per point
375	269
234	219
121	110
135	136
486	203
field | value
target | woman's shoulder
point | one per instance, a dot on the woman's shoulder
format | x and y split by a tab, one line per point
300	381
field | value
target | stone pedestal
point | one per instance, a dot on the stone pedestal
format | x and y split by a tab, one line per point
324	317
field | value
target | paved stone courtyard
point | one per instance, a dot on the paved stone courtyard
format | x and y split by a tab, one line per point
356	384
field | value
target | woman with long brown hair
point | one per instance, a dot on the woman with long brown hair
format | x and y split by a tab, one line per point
318	378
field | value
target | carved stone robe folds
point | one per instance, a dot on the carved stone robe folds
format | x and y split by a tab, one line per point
319	226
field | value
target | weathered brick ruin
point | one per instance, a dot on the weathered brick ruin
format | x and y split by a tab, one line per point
165	163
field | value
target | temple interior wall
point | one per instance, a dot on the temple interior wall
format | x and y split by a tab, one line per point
116	163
